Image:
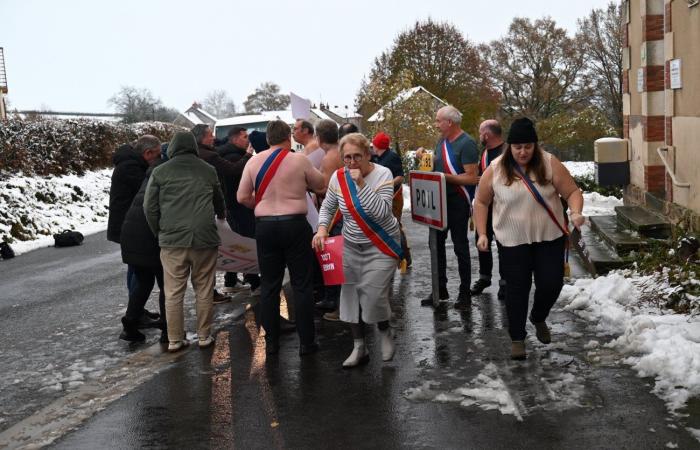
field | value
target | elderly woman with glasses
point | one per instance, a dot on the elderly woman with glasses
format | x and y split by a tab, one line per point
363	192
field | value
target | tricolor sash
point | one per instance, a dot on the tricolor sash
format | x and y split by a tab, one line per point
450	166
372	230
335	219
484	160
267	171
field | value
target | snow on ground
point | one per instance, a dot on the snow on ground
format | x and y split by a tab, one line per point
580	168
655	342
41	206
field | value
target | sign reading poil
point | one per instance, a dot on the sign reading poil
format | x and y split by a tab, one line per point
428	198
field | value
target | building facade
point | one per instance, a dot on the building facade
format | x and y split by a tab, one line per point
661	102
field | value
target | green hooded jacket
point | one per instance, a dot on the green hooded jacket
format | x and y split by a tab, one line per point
182	197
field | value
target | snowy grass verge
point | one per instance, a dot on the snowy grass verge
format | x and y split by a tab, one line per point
654	341
32	209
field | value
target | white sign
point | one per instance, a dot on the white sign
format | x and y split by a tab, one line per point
640	79
675	69
301	107
428	198
236	253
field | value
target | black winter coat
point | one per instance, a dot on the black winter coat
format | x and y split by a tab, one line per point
129	171
139	245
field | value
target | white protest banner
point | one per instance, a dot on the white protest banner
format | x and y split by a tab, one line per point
301	107
236	253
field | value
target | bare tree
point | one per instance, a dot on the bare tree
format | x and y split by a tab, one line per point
266	97
600	35
537	69
219	103
140	105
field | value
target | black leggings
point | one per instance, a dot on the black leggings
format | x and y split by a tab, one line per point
143	281
546	261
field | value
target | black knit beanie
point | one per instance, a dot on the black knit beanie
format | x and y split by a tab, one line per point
522	131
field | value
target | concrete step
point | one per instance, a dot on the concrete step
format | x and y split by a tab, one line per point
597	257
622	240
643	221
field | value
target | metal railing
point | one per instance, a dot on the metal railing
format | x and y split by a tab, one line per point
3	73
662	151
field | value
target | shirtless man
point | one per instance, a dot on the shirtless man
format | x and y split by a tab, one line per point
303	133
282	234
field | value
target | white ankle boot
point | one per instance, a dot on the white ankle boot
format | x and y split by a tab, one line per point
388	347
358	356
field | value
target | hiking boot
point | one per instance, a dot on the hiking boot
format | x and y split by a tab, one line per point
517	350
388	347
428	301
358	356
333	316
131	332
542	331
479	286
464	302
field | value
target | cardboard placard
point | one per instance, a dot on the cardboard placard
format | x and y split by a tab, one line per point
331	261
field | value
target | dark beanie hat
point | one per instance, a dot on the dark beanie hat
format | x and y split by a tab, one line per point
258	139
522	131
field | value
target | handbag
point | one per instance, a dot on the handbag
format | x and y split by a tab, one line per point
68	238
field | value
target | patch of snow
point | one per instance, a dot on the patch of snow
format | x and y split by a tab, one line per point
657	343
43	206
580	168
595	204
695	432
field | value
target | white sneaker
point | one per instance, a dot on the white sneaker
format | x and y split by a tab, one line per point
206	342
388	347
358	356
176	346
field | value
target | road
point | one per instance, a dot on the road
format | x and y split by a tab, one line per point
450	385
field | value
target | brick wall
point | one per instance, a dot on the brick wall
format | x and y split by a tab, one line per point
653	27
654	178
667	17
626	127
669	130
654	128
653	78
625	81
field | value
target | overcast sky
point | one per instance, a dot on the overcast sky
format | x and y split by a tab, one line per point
72	55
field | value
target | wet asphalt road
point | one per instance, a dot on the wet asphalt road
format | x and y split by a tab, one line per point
232	396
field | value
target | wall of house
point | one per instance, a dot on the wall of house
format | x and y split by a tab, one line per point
656	32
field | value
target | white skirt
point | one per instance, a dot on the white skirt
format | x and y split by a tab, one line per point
368	277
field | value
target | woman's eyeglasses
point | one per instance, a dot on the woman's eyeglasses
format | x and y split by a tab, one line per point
357	157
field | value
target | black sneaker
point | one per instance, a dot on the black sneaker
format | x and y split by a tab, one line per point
428	301
479	286
464	302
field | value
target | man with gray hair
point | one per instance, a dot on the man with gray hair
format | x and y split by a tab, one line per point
131	161
456	155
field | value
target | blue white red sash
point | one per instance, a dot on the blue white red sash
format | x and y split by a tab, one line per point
484	160
372	230
450	166
267	171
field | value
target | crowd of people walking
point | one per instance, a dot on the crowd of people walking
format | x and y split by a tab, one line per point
164	207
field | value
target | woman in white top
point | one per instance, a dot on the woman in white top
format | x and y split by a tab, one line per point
530	224
363	192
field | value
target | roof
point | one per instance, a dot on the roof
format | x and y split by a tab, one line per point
265	116
401	97
192	117
344	112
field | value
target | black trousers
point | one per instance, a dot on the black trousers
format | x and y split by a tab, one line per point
142	285
486	258
286	243
458	227
544	260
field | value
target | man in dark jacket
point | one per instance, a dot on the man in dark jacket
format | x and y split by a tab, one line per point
130	164
229	172
140	250
181	199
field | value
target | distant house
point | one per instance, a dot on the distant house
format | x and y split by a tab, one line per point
340	115
402	97
195	115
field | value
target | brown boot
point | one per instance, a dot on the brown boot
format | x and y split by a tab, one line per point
542	331
517	350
